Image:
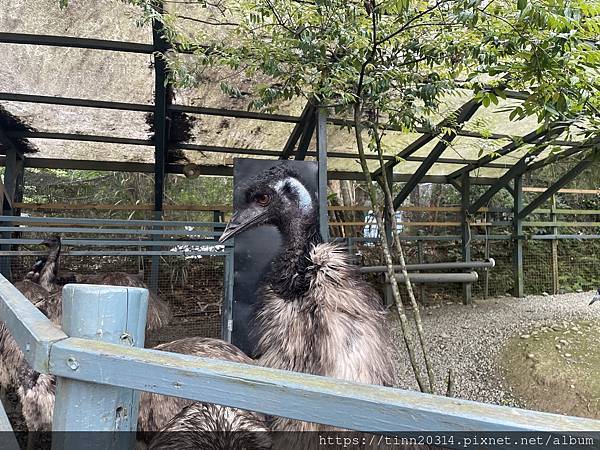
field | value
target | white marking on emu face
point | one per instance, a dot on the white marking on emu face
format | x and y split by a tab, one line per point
304	199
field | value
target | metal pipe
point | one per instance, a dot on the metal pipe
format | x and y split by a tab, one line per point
488	264
469	277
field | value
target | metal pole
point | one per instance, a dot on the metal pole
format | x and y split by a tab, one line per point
322	155
466	232
488	264
115	315
467	277
517	238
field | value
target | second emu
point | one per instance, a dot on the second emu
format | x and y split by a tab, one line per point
317	315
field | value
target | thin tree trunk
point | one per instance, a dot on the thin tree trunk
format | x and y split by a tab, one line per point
386	249
407	282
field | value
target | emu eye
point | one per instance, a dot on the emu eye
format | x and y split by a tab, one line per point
263	199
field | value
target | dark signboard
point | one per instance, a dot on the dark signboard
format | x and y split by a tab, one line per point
255	249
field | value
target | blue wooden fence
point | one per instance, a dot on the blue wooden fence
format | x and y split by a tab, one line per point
98	357
149	238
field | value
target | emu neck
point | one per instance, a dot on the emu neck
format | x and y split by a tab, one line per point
288	276
49	272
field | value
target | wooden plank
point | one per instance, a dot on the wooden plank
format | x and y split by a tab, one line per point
429	224
403	208
116	243
79	221
28	326
107	314
576	237
566	211
299	396
140	207
117	253
560	224
133	232
563	191
426	224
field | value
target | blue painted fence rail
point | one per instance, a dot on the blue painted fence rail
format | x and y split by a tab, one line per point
298	396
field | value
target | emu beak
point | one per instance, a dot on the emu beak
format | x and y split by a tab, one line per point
241	221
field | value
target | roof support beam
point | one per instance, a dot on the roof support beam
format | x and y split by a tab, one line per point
530	138
320	119
307	134
578	148
216	149
516	171
423	140
548	193
464	115
78	102
75	42
288	149
207	170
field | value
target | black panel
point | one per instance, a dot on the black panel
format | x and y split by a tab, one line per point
254	250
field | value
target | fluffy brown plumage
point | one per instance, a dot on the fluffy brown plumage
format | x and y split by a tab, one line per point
213	427
336	329
157	410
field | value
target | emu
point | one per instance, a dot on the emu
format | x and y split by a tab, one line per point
596	298
11	357
316	315
185	424
213	427
37	391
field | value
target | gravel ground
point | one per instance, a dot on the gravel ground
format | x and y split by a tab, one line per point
467	339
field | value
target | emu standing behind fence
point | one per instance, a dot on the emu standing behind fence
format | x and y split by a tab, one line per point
95	360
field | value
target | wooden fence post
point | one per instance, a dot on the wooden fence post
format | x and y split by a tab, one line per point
421	254
116	315
519	289
466	233
554	243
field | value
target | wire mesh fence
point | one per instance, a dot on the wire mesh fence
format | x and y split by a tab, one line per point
575	266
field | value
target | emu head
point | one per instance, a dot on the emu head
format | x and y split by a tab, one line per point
277	196
53	242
